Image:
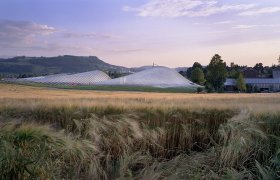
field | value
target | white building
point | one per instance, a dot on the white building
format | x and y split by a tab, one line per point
258	84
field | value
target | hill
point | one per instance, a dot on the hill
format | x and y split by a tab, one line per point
32	66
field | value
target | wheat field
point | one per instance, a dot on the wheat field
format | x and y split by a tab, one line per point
57	97
80	134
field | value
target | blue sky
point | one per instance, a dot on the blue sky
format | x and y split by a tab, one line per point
139	32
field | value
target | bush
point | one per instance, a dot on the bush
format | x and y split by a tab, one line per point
209	88
199	89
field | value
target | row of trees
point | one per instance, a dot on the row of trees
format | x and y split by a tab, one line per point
214	75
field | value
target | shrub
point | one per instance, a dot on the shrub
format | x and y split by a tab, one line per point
199	89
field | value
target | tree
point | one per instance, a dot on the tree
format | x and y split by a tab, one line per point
240	82
197	76
189	70
114	74
197	65
259	67
232	73
216	72
279	60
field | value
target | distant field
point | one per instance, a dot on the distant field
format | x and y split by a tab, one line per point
253	102
110	88
92	134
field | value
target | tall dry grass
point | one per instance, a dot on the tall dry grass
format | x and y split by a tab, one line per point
116	135
29	151
17	95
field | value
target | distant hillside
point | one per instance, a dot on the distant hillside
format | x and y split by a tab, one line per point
53	65
178	69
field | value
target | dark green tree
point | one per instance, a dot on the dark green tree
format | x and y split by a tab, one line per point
216	72
259	67
232	73
197	65
197	76
233	70
189	70
240	82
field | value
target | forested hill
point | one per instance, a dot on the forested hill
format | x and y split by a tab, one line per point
32	66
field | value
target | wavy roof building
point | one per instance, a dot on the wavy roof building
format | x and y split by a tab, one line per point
85	78
162	77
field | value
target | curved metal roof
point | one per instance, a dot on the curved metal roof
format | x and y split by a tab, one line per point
155	77
90	77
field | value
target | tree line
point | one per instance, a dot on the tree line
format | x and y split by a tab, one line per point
214	75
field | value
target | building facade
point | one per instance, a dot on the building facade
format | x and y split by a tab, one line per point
257	84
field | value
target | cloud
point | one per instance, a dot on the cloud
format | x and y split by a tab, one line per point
88	35
189	8
29	37
22	31
242	26
223	22
60	47
216	32
256	12
169	8
45	48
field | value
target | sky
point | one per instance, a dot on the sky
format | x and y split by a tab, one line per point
173	33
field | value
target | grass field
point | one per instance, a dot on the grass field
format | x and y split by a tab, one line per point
84	134
109	88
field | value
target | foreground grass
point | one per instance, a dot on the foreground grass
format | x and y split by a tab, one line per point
29	151
101	135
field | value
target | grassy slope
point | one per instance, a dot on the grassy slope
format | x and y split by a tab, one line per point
139	135
51	65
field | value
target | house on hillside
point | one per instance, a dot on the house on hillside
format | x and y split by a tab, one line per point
257	84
